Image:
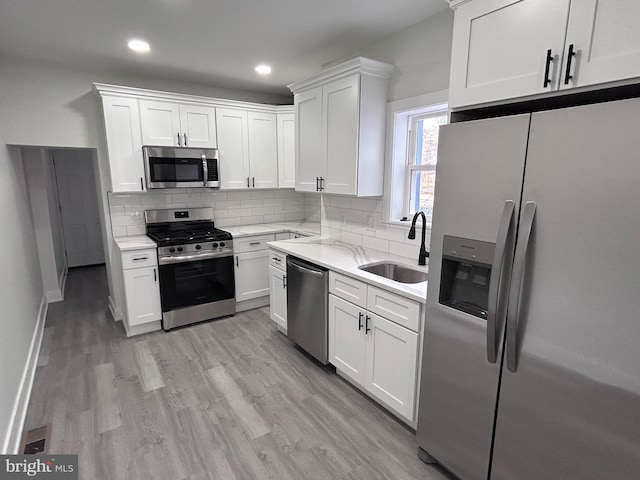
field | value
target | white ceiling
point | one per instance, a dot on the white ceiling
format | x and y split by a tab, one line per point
215	42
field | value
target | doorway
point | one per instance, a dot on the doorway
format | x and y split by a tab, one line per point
78	200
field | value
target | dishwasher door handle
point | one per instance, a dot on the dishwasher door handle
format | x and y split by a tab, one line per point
302	269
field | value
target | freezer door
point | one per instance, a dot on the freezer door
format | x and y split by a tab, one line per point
571	408
478	182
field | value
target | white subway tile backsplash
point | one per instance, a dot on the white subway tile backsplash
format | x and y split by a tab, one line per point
117	210
352	238
135	230
263	211
375	243
119	231
117	199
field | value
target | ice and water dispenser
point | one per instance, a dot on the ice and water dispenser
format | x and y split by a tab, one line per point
466	270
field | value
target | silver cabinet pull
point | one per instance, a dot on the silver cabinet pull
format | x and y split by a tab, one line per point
255	243
284	281
360	315
504	235
247	182
515	286
179	141
155	278
140	258
237	264
254	181
185	139
366	324
205	169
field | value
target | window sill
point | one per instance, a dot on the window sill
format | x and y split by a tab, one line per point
400	224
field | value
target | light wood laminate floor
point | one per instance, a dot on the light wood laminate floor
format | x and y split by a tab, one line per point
227	399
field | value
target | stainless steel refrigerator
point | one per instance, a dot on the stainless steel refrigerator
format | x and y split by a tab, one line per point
531	361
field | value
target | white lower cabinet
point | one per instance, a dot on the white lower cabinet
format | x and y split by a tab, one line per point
278	296
373	352
391	364
138	290
143	295
252	275
347	340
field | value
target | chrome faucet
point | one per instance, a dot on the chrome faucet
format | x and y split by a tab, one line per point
422	257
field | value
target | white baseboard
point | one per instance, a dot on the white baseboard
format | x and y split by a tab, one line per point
62	281
115	312
19	413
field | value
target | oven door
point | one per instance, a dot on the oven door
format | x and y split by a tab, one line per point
196	282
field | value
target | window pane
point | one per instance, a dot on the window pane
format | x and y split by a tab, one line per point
422	184
427	139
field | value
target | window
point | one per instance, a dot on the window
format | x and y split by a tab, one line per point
412	143
421	162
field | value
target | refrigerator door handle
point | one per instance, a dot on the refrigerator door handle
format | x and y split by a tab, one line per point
504	234
515	287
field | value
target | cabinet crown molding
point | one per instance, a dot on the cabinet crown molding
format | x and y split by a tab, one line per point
453	4
106	90
357	65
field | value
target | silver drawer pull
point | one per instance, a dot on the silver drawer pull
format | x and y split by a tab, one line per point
255	243
140	258
276	259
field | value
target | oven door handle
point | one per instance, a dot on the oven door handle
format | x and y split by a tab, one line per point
192	258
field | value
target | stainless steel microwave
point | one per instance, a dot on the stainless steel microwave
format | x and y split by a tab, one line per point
174	167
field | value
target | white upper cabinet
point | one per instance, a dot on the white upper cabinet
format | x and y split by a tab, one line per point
198	124
233	148
286	150
124	143
310	164
173	124
605	35
508	49
500	49
263	150
340	128
248	148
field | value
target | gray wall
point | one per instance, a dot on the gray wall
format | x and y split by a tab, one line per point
421	54
21	291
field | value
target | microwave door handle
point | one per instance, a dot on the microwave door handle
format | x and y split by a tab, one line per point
205	170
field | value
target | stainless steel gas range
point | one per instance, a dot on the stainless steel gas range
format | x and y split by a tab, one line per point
195	262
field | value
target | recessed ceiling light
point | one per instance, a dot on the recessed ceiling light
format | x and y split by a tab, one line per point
139	46
263	69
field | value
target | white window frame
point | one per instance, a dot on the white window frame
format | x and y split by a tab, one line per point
411	167
400	113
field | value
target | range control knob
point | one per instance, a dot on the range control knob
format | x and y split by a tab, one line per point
215	245
172	249
222	244
179	249
198	247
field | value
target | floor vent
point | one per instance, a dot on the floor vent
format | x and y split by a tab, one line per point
36	441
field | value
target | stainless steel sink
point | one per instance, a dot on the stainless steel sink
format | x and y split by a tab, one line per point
395	271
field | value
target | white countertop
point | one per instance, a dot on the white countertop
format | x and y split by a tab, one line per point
135	242
345	258
307	228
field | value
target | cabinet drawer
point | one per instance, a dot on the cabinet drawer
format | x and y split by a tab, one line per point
278	260
139	258
398	309
349	289
251	244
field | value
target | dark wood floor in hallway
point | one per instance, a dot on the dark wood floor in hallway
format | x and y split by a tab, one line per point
227	399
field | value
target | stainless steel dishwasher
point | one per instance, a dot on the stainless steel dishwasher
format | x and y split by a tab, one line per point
307	307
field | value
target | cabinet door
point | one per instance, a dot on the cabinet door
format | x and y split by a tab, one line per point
278	296
606	39
347	338
392	364
341	107
198	123
263	150
142	295
500	48
233	148
124	143
252	275
160	123
310	153
286	150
